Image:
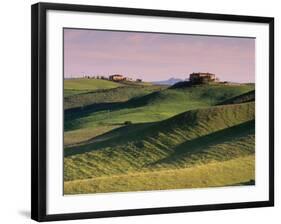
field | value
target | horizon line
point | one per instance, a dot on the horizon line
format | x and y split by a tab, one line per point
143	80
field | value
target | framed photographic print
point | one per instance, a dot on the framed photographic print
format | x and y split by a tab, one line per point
139	111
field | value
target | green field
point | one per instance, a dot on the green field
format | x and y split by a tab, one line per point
82	85
119	135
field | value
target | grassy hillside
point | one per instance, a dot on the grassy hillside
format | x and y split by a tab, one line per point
109	109
156	106
142	146
117	138
95	98
100	102
214	174
243	98
82	85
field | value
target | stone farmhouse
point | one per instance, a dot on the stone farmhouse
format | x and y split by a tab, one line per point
202	78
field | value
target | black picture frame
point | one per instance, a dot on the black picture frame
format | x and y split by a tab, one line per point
38	108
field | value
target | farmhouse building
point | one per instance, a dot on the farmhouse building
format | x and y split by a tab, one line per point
202	78
117	77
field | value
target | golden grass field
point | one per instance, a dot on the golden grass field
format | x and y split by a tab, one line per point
213	174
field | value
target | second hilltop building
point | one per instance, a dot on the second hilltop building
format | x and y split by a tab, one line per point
202	78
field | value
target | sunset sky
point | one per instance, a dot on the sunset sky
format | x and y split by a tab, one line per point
154	57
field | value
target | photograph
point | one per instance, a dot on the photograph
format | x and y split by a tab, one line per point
148	111
139	111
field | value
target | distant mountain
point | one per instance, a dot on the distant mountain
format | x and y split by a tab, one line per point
168	82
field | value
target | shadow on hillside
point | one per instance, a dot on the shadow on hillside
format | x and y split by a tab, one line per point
112	138
243	98
200	144
131	132
70	115
138	132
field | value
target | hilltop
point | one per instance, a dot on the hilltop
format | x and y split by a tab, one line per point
82	85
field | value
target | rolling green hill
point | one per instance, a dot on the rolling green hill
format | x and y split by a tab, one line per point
82	85
155	106
94	98
243	98
140	146
81	123
115	139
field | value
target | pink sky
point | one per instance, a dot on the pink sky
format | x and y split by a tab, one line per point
154	56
